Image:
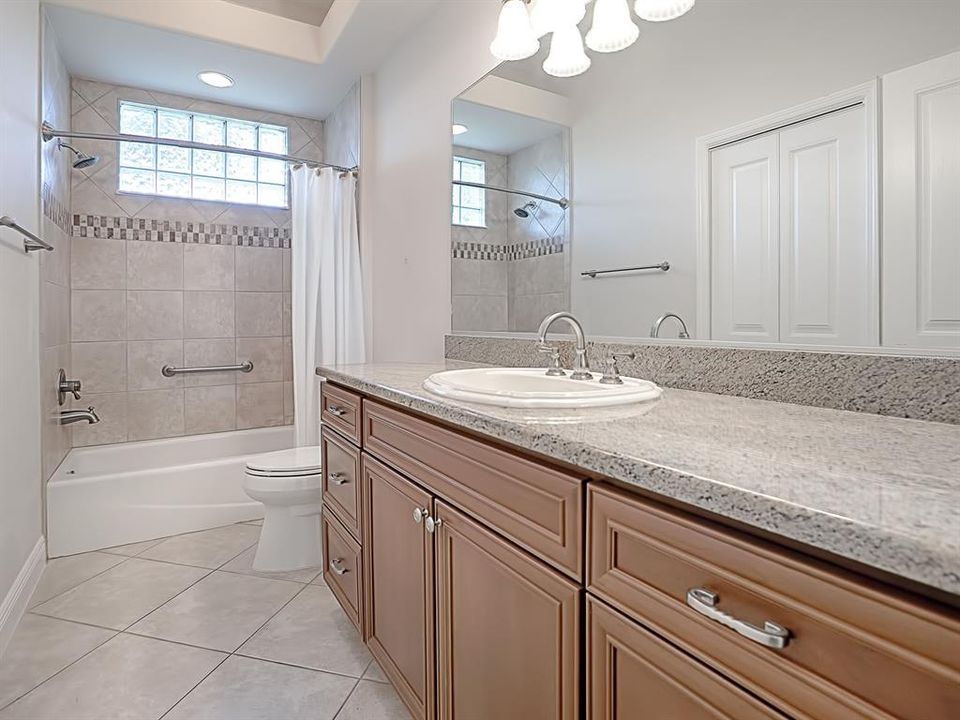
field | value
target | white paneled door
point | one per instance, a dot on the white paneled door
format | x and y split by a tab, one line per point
921	205
793	245
744	250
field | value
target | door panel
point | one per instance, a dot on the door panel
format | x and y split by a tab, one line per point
921	215
507	629
398	566
744	246
828	256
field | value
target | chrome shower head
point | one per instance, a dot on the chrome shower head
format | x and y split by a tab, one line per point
82	160
524	212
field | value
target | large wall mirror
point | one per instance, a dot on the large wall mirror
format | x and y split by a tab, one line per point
770	171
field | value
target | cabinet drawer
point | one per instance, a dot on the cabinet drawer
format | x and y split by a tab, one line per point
857	649
538	507
341	479
342	567
631	673
340	409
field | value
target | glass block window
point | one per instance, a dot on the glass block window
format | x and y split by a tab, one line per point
469	204
151	169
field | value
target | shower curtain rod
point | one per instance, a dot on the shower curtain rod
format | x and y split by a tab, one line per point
49	133
562	202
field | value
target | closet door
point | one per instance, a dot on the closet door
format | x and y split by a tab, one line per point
829	282
921	210
744	283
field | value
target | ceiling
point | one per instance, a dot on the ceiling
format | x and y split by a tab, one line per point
311	12
498	131
279	64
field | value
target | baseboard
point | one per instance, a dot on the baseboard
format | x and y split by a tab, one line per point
15	603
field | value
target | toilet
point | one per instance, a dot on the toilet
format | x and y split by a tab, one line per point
288	483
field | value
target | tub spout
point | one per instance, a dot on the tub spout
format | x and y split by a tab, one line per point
68	417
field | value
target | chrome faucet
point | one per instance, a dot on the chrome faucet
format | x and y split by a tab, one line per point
581	370
68	417
655	330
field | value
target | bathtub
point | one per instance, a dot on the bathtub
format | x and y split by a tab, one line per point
129	492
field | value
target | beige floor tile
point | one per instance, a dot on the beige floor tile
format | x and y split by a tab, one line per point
246	689
128	677
373	701
64	573
243	563
133	548
219	612
41	647
311	631
208	548
375	673
123	594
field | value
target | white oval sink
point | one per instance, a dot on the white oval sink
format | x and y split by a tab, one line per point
533	388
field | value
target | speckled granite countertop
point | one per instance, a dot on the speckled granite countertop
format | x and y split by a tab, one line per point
881	491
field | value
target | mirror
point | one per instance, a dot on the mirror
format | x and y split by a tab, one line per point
735	156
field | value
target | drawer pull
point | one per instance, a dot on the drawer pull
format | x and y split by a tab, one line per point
337	478
705	602
337	566
336	410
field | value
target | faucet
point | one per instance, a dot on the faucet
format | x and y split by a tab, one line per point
655	329
581	371
68	417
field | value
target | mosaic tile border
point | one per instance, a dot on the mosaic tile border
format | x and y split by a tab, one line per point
53	209
176	231
514	251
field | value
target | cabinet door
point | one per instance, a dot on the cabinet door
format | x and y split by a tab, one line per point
829	274
632	674
921	213
507	629
398	566
744	275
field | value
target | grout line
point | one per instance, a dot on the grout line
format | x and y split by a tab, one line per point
74	587
199	682
347	698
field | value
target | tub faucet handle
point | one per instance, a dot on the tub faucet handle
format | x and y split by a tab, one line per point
65	386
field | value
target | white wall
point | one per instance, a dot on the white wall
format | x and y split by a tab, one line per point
406	171
20	521
641	111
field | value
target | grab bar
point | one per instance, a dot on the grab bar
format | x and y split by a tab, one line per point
32	242
170	371
593	273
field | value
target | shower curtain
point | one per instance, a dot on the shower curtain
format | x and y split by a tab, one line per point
327	286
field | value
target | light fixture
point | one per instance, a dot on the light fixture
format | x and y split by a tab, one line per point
662	10
613	29
515	38
549	15
566	57
215	79
459	129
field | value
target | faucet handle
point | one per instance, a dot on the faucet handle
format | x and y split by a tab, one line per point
611	373
554	352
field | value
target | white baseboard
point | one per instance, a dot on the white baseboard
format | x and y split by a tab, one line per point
15	603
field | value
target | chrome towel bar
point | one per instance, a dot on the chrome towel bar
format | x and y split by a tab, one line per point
32	242
593	273
170	371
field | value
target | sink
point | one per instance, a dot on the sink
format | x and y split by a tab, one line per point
533	388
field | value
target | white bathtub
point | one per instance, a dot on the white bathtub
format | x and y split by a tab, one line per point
118	494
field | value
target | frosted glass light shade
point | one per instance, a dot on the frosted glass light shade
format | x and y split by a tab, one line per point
662	10
613	29
549	15
515	39
566	57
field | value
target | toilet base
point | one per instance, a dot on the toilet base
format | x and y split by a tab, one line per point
289	539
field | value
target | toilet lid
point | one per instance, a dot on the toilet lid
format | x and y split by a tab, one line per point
295	461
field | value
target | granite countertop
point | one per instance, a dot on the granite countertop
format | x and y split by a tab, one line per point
881	491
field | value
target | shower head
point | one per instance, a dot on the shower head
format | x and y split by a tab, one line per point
83	160
524	212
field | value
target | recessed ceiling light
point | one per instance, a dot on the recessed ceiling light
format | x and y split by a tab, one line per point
459	129
215	79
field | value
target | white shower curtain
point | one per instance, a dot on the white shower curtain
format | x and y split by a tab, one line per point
327	286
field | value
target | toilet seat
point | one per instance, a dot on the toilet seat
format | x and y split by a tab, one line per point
295	462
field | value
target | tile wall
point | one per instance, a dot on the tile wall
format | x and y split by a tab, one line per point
159	281
56	440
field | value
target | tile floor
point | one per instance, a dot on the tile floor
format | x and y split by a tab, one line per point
184	629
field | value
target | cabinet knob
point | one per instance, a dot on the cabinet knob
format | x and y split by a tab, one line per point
337	566
337	478
433	524
335	410
419	514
